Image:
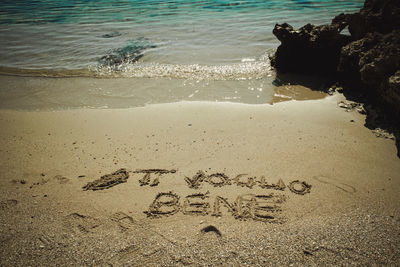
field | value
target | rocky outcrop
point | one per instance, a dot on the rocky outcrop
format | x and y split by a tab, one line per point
367	61
310	49
374	61
369	58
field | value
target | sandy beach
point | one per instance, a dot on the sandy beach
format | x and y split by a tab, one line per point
294	183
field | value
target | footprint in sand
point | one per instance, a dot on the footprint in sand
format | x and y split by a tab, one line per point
337	252
331	181
125	256
137	255
81	224
8	204
123	220
42	181
61	179
45	241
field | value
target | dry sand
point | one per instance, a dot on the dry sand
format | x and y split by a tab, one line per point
343	210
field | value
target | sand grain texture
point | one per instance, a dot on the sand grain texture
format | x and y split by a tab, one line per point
253	162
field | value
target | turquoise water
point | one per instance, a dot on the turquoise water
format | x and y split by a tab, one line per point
76	34
212	40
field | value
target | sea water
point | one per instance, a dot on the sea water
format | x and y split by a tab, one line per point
117	54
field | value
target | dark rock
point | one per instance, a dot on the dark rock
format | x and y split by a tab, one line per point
211	228
368	57
308	253
121	57
381	16
390	91
126	55
310	49
111	35
374	62
373	58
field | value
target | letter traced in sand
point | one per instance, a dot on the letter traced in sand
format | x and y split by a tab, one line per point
266	207
197	179
147	176
251	181
194	204
145	180
159	171
163	205
280	185
218	179
224	201
108	180
263	208
304	187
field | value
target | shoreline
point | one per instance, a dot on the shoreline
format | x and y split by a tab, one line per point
350	214
52	94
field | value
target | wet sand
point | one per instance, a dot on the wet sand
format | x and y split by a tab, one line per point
300	182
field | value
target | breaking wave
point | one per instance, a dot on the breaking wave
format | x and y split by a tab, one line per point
246	70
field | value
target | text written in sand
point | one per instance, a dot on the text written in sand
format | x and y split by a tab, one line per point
265	207
258	207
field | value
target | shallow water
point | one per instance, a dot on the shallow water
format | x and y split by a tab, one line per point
204	42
